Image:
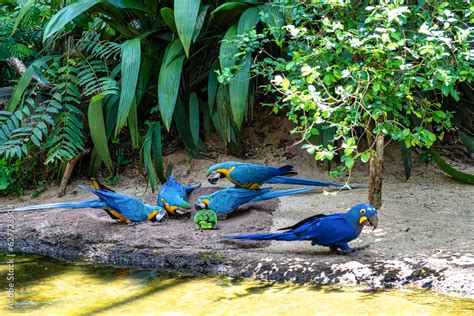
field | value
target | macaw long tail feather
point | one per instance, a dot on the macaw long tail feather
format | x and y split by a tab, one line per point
275	194
302	181
267	236
82	204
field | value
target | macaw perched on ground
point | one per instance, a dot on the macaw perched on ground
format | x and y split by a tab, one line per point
227	200
173	196
333	231
124	208
252	176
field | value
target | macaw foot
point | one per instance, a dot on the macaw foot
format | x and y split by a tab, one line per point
346	250
133	224
223	216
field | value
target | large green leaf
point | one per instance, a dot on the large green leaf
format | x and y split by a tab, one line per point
127	4
273	17
223	122
200	21
446	168
66	15
168	81
24	9
230	6
20	89
194	118
97	128
167	15
406	157
185	15
130	66
132	120
239	91
229	48
248	20
212	86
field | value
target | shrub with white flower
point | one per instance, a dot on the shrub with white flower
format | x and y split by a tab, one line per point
377	72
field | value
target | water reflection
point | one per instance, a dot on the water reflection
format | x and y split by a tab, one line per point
47	287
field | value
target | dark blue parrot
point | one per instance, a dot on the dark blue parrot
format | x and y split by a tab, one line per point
333	231
173	196
121	207
227	200
252	176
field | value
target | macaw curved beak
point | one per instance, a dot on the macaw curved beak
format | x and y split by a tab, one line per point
373	221
162	216
214	177
199	205
183	212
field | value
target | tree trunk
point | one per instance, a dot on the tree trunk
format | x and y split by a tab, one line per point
68	172
375	172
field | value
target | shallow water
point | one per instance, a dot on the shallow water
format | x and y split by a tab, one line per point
48	287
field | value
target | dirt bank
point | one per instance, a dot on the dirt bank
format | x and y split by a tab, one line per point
424	237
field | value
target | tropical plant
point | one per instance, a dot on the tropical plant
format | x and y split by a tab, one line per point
370	70
171	62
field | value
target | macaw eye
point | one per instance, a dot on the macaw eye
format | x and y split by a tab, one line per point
362	211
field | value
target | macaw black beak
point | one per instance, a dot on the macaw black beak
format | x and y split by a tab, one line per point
214	177
373	221
183	212
199	205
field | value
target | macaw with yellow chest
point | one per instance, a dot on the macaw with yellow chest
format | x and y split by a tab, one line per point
228	200
125	208
252	176
173	196
334	231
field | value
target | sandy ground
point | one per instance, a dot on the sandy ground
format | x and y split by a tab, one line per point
425	233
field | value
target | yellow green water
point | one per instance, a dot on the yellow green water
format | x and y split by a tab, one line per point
47	287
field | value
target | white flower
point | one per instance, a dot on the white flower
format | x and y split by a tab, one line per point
311	88
305	69
345	73
278	79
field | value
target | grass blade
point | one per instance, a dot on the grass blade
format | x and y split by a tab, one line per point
185	15
130	66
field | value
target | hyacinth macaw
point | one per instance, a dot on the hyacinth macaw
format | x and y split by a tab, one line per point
252	176
124	208
173	196
227	200
333	231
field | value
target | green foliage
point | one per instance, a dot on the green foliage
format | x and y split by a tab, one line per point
380	69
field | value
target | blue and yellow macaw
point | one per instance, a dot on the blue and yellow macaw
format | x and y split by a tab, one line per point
173	196
252	176
124	208
228	200
333	231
